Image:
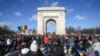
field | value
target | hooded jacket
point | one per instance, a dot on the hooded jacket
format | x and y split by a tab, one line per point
34	46
96	46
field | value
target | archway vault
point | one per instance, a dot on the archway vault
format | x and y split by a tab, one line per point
50	26
46	14
47	21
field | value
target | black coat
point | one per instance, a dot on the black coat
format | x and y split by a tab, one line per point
59	51
75	51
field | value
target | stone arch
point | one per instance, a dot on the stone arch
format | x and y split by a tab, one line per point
45	14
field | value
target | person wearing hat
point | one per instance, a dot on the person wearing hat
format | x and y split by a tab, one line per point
25	52
34	47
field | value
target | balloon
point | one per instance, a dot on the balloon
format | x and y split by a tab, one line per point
25	27
19	28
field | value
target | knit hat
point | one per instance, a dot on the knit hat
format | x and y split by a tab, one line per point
25	50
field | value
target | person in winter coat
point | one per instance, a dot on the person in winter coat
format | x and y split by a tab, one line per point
14	43
8	42
35	51
96	47
77	49
34	47
67	44
59	50
71	41
46	40
38	39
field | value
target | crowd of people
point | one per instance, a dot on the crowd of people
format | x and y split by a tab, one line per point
49	45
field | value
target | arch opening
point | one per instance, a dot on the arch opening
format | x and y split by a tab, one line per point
50	26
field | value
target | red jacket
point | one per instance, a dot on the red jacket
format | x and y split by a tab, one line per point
46	40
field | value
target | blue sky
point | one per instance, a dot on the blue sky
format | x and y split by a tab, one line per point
84	13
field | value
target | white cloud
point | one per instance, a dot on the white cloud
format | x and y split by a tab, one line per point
0	13
54	4
17	13
34	17
78	17
5	24
70	10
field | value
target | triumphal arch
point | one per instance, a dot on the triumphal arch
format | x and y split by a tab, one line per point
46	14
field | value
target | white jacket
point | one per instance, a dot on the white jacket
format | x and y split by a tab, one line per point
34	46
8	41
96	46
